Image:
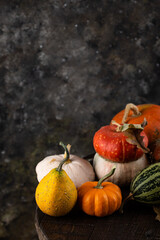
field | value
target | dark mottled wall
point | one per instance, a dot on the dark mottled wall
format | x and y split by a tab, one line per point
66	67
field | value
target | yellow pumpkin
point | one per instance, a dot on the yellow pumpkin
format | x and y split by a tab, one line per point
56	193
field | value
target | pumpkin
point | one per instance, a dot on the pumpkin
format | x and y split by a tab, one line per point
156	150
100	198
124	173
135	114
78	169
56	194
112	144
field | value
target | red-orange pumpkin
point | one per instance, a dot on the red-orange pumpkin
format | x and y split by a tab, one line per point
136	114
112	145
100	198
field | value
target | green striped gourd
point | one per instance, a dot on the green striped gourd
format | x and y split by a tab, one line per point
145	187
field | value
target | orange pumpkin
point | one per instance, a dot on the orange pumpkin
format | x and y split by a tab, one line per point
100	198
112	145
156	150
136	114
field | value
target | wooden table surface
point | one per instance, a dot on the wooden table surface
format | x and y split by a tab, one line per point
136	223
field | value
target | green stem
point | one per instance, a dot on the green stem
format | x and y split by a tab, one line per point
105	177
59	168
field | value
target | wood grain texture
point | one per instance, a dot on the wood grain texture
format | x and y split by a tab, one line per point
137	223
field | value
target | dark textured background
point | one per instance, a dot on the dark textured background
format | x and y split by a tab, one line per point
66	68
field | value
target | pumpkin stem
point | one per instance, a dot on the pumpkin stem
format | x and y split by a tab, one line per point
129	197
66	155
119	126
69	149
105	177
134	108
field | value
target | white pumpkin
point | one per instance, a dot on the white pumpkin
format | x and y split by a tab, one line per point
78	169
124	172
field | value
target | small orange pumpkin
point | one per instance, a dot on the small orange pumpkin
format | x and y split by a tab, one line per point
136	114
100	198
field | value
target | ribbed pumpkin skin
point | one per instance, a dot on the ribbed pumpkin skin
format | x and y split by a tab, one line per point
99	202
112	145
78	169
145	187
152	114
124	173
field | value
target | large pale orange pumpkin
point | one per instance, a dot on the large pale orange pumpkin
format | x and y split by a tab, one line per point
136	114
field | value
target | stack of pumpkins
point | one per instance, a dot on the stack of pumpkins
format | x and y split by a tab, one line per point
112	146
123	145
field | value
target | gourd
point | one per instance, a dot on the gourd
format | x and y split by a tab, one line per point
125	172
110	142
112	146
56	193
145	187
100	198
135	114
78	169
